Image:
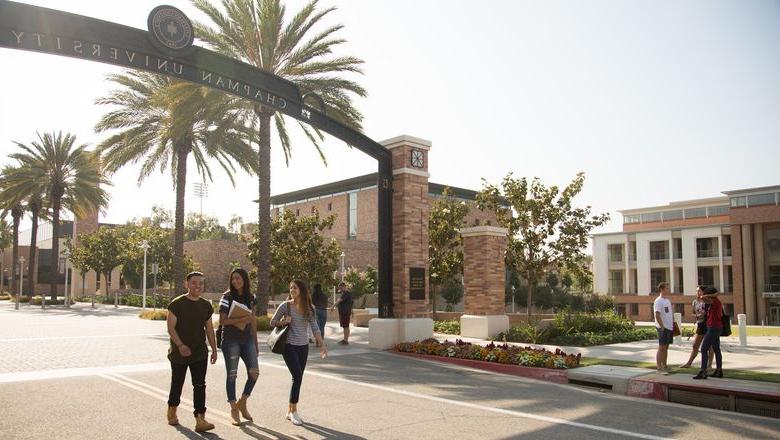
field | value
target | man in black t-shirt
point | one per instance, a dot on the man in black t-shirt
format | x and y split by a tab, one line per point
344	306
189	325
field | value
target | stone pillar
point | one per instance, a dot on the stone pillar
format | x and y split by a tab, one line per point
483	281
748	274
411	207
85	225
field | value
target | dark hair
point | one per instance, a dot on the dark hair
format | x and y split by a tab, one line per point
708	290
194	273
305	298
317	289
342	284
245	296
663	285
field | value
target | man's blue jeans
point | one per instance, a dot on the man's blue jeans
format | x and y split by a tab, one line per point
232	351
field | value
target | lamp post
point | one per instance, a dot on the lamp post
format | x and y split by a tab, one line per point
21	280
145	247
342	265
155	271
66	254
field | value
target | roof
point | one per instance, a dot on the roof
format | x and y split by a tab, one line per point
752	190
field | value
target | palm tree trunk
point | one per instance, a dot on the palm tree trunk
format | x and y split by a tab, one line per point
55	247
33	251
264	211
178	240
16	214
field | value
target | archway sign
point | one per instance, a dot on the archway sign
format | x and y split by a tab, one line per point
167	49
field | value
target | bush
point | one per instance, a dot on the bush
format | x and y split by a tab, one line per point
263	323
605	321
22	299
37	300
154	315
449	327
503	353
524	333
5	297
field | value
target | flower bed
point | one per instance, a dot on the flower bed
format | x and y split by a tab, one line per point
501	353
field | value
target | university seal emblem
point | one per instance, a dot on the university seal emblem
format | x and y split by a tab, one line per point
171	29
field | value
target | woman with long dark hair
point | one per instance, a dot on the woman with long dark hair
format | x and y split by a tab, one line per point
239	341
298	314
712	337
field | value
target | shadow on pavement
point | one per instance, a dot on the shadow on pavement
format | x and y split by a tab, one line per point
190	434
330	433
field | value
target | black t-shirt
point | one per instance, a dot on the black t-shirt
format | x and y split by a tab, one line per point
230	332
191	317
319	299
345	306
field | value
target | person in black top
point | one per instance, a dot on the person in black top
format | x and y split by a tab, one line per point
239	340
189	325
320	301
344	305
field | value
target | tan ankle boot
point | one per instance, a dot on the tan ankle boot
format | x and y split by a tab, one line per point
242	407
201	425
172	419
234	414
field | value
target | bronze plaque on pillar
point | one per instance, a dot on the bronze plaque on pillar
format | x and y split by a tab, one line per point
417	283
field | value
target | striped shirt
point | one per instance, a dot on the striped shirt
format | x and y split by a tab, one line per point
298	333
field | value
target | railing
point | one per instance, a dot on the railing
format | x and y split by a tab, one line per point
659	255
706	253
771	287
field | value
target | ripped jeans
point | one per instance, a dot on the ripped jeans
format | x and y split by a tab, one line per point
232	350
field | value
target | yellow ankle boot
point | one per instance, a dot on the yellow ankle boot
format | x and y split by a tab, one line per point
172	419
201	425
235	420
242	407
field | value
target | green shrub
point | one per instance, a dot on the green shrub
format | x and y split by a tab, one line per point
449	327
606	321
37	300
263	323
525	333
22	299
154	315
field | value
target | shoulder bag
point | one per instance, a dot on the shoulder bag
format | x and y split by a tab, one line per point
726	323
278	337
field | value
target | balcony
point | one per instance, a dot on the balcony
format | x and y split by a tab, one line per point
658	255
707	253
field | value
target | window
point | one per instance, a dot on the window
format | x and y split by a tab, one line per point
717	210
352	204
615	281
706	276
695	212
678	248
615	253
738	202
621	309
679	308
679	282
651	217
631	251
773	277
727	245
729	280
634	309
706	247
658	250
761	199
657	276
673	215
628	219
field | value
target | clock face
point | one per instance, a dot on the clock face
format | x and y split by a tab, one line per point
417	159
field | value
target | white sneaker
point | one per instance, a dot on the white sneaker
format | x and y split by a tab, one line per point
294	418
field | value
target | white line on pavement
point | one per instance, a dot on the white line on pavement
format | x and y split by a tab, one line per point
59	338
25	376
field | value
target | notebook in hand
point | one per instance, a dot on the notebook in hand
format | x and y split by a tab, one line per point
238	310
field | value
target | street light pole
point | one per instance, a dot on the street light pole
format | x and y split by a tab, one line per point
145	247
21	280
66	254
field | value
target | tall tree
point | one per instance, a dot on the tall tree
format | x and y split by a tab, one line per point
103	251
545	229
445	245
10	204
67	176
255	32
160	251
161	122
6	239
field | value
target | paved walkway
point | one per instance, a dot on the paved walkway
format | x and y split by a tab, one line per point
118	390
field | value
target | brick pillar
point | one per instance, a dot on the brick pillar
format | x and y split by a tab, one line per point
85	225
483	280
411	207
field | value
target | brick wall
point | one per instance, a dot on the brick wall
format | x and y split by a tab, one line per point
483	271
214	258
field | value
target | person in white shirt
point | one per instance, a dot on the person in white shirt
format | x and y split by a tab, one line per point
664	324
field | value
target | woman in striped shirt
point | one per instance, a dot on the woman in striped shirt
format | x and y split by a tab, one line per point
298	314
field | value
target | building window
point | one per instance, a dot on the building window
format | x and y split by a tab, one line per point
772	278
695	212
673	215
629	219
706	276
738	202
621	309
727	245
631	251
679	308
615	281
706	247
352	223
761	199
678	253
679	282
634	281
616	253
713	211
729	280
658	250
657	276
651	217
634	309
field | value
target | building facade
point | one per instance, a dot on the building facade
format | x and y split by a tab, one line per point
731	242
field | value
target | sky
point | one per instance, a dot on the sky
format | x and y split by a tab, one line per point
654	101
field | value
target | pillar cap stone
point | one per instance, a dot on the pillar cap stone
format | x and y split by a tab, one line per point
405	139
484	230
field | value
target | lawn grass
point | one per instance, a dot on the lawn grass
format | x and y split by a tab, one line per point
730	374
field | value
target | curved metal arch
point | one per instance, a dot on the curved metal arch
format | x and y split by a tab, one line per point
50	31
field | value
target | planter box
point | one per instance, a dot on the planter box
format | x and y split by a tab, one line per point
546	374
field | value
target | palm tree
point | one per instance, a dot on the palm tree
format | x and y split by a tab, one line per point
6	239
9	203
161	122
254	31
68	176
21	184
